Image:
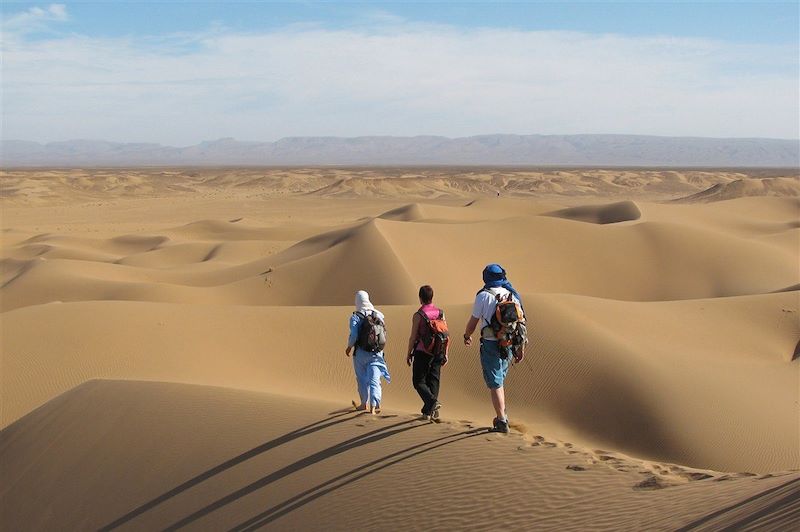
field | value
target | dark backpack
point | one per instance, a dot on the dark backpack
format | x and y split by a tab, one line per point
508	325
371	332
433	334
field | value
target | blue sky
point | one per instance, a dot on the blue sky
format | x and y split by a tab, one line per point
181	72
735	21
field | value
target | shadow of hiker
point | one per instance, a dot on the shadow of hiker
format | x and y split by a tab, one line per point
352	443
298	433
310	495
776	504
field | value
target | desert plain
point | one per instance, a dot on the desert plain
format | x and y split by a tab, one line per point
173	349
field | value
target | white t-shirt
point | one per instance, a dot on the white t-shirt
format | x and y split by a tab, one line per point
484	307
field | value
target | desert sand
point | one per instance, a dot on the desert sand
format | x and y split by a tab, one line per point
173	349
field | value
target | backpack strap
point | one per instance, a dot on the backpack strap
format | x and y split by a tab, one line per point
425	320
497	297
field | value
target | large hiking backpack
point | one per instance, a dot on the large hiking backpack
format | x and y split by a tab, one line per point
371	332
508	325
433	334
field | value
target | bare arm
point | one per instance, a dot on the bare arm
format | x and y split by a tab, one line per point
412	338
469	329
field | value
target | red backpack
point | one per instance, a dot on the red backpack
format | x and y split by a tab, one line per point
433	334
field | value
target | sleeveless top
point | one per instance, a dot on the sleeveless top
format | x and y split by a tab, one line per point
432	312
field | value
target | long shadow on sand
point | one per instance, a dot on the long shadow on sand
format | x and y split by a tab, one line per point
286	438
310	495
774	508
352	443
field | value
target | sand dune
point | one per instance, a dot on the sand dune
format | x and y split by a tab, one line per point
774	186
203	313
63	186
419	212
623	211
388	256
308	466
587	376
235	230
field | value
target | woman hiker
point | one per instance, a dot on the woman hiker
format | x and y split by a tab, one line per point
368	337
427	365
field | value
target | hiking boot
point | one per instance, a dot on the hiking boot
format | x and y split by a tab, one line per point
435	411
500	425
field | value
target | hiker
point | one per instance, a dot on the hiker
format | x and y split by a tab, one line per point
368	337
427	351
499	341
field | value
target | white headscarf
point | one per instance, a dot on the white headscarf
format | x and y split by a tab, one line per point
362	301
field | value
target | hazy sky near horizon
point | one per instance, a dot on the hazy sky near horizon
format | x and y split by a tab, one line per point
181	72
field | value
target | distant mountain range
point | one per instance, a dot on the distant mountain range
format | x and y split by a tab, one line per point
578	150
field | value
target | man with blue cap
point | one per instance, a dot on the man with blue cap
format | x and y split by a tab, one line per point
494	358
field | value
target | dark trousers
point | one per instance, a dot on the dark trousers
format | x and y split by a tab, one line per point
426	371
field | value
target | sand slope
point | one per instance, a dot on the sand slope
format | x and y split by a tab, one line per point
623	211
770	186
261	460
679	392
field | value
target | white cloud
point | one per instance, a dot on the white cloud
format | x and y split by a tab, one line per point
34	19
396	79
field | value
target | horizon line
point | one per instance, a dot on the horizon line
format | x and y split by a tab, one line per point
230	138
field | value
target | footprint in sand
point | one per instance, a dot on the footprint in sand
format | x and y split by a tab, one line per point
650	483
541	441
694	476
